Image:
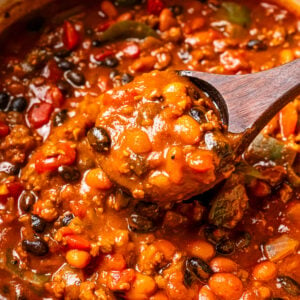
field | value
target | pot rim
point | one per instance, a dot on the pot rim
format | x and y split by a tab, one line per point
13	10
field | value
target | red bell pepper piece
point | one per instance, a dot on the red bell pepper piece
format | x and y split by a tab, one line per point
4	129
54	96
78	208
63	154
71	36
77	242
14	189
66	231
39	114
51	71
100	56
155	6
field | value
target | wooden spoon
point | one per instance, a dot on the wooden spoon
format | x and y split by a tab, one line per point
248	102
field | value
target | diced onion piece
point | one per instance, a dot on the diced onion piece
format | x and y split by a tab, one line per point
281	247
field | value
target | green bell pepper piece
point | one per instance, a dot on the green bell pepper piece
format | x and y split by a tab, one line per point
237	13
127	29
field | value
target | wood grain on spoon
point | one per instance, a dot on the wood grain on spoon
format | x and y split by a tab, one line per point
248	102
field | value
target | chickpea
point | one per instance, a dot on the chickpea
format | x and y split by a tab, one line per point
126	16
175	95
78	258
226	286
264	292
200	160
109	9
202	249
202	38
206	294
96	178
138	141
223	265
166	248
197	24
174	164
265	271
166	20
159	296
143	64
188	130
142	288
159	180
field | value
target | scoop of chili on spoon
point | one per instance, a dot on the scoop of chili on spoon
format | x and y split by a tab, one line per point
168	142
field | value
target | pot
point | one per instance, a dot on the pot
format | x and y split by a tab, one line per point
13	10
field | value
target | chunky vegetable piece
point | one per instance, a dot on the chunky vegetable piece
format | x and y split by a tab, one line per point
96	157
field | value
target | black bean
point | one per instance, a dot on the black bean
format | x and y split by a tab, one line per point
89	31
147	209
9	168
176	9
5	289
213	234
62	53
69	173
64	87
18	104
36	247
196	269
99	139
27	200
242	239
225	246
257	45
140	224
60	117
38	224
111	62
290	285
97	43
35	24
126	78
197	114
4	98
65	65
76	78
67	219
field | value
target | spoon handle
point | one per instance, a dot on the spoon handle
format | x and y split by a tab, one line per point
253	99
